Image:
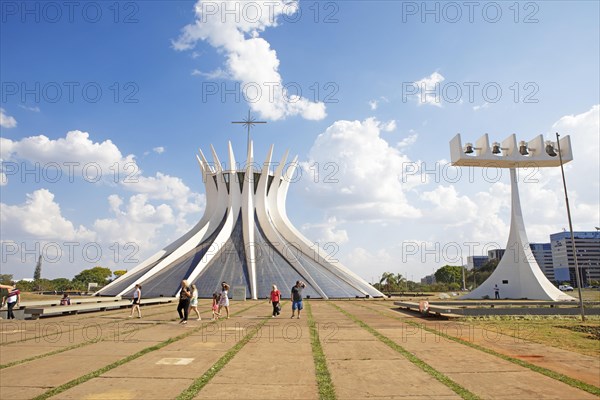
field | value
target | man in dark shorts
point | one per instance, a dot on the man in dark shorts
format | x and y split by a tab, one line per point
297	298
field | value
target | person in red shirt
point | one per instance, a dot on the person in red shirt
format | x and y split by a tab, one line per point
275	297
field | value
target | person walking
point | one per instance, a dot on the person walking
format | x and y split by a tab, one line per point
13	299
194	301
224	298
137	299
297	298
275	297
184	302
496	292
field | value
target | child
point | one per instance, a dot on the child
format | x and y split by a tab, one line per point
194	301
215	307
224	298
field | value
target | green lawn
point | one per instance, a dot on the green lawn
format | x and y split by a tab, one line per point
568	333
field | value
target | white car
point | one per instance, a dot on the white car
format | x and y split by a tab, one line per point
566	288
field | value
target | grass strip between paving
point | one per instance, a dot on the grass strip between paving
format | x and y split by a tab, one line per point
455	387
199	383
576	383
98	372
324	383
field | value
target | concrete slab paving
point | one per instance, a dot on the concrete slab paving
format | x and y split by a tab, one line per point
450	358
251	391
359	379
361	366
7	391
157	376
278	357
575	365
372	369
129	389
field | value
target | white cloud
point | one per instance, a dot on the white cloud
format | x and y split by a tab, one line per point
249	58
358	173
216	74
167	188
428	89
159	209
139	222
35	109
374	104
326	232
159	150
40	217
6	121
584	130
408	141
389	126
75	154
481	107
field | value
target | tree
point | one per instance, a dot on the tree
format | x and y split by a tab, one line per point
37	274
120	272
388	279
489	266
449	274
61	284
400	281
6	279
98	275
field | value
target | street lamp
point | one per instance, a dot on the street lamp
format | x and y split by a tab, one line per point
577	272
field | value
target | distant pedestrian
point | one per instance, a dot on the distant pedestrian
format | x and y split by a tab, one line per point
275	297
215	307
297	298
224	298
184	302
12	299
137	300
66	300
194	301
496	292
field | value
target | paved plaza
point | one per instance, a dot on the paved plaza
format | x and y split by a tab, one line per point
348	349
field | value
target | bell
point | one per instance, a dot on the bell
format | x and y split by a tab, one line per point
496	148
523	148
469	148
550	149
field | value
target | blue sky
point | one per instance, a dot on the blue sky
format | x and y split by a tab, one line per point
355	63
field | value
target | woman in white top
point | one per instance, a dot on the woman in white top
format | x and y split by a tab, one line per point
194	301
137	298
224	298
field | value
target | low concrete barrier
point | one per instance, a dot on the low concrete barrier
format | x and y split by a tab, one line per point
463	308
37	312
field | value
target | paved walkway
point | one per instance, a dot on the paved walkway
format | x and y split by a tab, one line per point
513	344
371	352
